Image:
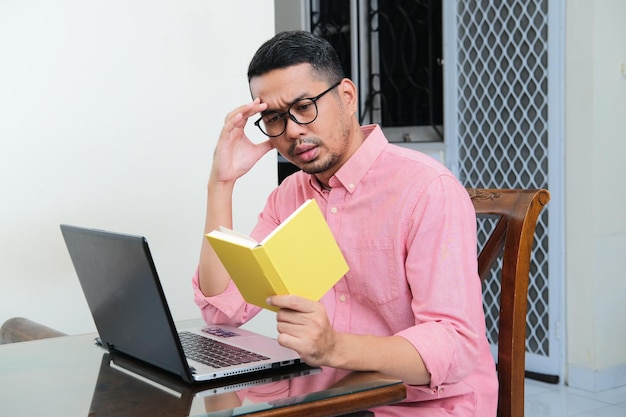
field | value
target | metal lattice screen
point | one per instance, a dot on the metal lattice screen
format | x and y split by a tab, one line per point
503	128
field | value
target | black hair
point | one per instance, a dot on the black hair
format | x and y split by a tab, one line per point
297	47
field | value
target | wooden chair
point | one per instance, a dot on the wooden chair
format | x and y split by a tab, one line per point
18	329
512	238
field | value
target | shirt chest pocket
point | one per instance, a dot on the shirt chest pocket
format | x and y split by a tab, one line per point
373	275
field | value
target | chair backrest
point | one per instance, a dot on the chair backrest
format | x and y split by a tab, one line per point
19	329
512	237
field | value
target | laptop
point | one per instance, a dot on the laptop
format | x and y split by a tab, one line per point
120	282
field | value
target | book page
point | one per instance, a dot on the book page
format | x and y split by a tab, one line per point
234	237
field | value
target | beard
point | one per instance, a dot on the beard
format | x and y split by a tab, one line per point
321	165
325	161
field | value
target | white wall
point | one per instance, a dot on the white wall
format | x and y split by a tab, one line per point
595	143
109	112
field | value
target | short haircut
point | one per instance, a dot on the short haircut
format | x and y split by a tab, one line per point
297	47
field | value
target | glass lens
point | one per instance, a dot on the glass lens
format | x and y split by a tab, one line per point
305	111
273	124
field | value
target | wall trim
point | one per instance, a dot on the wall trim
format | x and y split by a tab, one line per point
595	380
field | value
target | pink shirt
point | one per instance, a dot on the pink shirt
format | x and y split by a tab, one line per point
407	229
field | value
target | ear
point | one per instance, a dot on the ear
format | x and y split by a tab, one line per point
348	94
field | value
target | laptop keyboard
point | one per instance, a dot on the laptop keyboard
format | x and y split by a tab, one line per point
215	354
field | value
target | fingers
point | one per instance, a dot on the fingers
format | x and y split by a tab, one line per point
235	154
292	302
298	314
303	326
239	116
312	339
235	123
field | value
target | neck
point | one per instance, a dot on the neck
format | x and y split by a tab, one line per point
324	186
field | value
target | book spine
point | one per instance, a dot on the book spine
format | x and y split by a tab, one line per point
269	270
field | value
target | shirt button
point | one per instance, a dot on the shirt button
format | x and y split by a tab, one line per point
342	298
351	186
333	210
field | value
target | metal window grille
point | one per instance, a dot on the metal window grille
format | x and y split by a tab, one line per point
502	116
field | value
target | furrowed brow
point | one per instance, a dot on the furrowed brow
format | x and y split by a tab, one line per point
281	111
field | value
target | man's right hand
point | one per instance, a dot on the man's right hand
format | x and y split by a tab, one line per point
235	154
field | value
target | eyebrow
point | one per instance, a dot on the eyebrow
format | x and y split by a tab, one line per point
268	110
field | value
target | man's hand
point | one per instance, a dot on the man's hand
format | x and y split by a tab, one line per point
235	154
304	327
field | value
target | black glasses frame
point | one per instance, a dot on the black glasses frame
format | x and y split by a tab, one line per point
291	116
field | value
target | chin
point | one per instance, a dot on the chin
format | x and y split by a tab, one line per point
314	169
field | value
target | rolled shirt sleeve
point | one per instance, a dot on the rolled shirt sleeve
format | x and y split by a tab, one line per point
441	269
228	307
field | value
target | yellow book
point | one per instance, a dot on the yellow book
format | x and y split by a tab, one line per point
299	257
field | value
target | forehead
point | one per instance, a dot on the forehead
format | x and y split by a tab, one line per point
282	86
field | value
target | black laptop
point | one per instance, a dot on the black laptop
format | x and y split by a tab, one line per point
123	292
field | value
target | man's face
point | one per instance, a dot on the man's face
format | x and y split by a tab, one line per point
320	147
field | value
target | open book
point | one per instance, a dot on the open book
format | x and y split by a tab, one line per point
299	257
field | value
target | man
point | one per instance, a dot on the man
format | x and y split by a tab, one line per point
411	304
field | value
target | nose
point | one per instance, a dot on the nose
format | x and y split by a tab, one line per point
294	130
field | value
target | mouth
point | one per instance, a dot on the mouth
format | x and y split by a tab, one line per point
305	152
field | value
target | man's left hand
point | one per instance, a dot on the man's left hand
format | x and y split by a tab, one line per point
303	326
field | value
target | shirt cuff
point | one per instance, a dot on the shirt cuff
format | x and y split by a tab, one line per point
436	347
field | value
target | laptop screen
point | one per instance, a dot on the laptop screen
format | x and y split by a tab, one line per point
123	292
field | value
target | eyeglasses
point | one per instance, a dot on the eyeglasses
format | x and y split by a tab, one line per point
302	111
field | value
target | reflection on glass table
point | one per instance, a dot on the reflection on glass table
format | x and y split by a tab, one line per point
157	393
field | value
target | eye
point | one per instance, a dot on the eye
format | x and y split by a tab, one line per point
303	105
270	118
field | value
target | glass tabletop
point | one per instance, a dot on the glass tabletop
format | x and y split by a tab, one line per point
73	376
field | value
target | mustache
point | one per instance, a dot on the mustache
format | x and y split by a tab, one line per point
311	141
